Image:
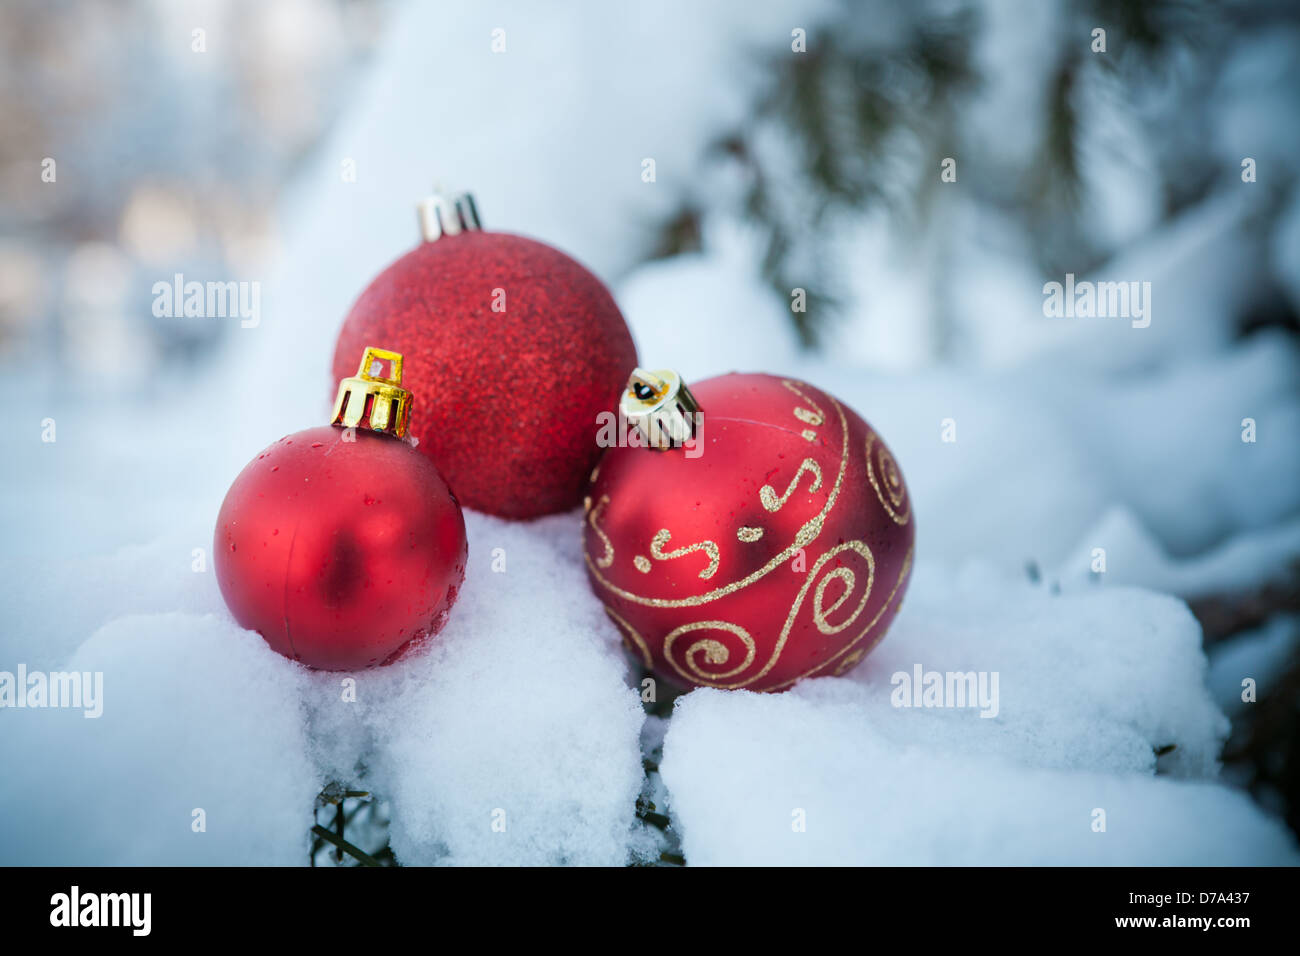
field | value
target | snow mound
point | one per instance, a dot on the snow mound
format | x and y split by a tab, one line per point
520	705
197	714
1089	688
789	780
1095	681
513	737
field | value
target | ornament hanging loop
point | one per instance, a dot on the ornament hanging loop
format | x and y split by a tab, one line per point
374	401
447	215
660	407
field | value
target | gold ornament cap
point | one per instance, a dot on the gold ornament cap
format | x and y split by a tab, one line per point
374	401
660	406
447	214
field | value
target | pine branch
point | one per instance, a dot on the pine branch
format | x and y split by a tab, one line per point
364	858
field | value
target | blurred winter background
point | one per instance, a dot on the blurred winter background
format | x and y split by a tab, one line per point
795	146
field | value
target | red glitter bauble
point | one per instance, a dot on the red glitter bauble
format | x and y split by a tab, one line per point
775	546
514	349
340	547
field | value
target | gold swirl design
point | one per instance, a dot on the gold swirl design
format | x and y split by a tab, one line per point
820	613
819	618
814	416
849	661
839	574
714	651
641	563
632	639
767	494
811	529
893	497
708	547
593	516
748	535
851	646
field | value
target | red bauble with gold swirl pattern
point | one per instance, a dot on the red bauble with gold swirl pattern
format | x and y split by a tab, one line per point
775	544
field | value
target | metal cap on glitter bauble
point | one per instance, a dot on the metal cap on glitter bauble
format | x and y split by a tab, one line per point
477	314
447	214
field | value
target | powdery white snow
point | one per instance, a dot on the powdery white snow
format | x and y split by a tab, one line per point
518	705
517	716
745	769
1093	681
198	714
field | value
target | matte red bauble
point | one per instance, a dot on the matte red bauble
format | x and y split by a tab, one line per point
342	545
761	533
515	349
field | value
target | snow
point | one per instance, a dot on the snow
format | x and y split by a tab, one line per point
1069	437
741	766
1256	655
1135	557
1090	686
197	715
1089	681
520	697
672	307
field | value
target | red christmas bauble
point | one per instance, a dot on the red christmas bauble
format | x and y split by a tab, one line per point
341	547
774	546
515	349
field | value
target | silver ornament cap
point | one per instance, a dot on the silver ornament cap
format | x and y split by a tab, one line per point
447	214
660	407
